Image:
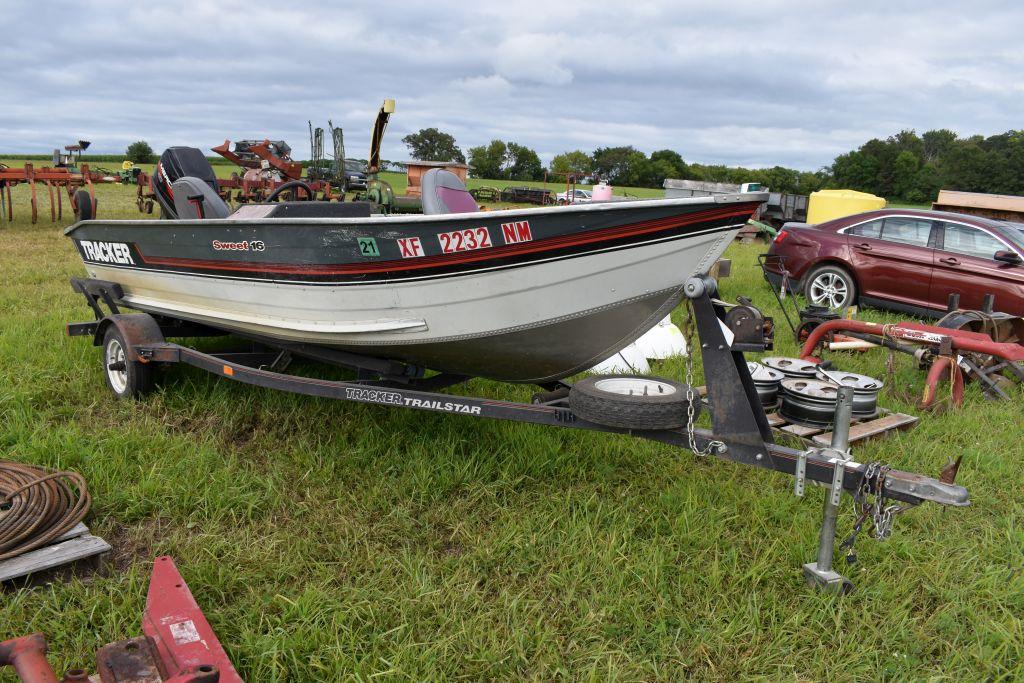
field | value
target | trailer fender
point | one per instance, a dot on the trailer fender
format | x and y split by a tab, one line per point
136	328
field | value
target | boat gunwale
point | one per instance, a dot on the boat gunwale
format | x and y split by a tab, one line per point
736	198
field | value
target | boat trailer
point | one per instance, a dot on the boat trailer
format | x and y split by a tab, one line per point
739	432
179	645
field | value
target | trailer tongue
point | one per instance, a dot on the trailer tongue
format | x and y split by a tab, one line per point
739	429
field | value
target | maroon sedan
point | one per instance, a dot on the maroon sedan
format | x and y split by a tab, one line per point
903	259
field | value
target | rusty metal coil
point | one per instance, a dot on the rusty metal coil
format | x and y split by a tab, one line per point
37	506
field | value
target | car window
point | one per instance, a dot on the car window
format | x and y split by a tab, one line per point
905	230
961	239
869	229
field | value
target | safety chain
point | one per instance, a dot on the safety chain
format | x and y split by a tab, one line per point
692	396
882	516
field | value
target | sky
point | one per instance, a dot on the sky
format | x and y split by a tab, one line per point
741	83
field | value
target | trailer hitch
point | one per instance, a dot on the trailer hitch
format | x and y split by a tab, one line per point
739	422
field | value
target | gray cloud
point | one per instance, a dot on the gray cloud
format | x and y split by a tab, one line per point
751	83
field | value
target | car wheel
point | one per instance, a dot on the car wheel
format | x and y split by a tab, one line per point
830	286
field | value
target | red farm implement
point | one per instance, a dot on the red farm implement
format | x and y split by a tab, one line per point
269	173
77	184
179	645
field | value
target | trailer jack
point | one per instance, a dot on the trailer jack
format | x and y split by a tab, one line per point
178	646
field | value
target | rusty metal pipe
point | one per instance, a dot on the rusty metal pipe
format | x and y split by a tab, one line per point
916	333
941	366
27	655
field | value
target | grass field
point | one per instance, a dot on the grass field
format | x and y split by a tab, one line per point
330	541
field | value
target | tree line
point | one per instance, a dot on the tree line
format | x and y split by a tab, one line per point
905	166
914	168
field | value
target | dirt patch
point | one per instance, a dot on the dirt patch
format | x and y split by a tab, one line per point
133	543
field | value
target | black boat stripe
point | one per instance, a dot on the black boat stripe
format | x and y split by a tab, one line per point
457	261
421	278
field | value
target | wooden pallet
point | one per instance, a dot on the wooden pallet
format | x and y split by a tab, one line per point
885	424
76	544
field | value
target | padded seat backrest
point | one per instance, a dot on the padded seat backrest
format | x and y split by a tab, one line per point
187	202
176	163
444	192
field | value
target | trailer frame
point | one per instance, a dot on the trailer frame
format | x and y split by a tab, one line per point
740	432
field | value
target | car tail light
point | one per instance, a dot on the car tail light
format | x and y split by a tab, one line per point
781	236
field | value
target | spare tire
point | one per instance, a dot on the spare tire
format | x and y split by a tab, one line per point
631	402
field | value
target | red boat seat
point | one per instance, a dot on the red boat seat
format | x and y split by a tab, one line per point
444	192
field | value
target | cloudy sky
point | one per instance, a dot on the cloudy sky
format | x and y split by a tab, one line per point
743	83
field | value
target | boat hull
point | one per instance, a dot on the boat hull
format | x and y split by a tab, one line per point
537	312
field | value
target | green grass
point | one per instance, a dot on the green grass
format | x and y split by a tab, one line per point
328	540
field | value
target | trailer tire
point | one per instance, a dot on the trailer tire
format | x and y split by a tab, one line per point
631	402
126	378
83	206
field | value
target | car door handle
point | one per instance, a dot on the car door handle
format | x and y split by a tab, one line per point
950	260
863	247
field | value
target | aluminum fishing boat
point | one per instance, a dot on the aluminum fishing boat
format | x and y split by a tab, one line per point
524	295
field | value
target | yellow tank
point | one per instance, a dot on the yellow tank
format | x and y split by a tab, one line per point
127	165
825	205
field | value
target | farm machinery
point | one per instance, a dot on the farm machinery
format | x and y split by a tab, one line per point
64	177
269	172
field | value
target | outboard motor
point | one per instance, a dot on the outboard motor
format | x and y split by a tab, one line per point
186	169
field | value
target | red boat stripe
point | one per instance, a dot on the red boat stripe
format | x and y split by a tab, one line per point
549	244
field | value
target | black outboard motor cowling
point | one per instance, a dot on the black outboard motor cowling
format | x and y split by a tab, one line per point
175	163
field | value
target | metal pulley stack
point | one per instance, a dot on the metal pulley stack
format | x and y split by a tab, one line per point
766	381
865	390
790	367
811	401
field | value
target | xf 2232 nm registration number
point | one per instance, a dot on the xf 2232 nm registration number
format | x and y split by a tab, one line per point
464	240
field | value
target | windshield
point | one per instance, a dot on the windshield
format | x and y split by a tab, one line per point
1014	232
354	166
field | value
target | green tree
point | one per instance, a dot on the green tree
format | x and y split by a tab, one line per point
905	170
937	143
524	164
855	170
576	162
489	161
430	144
140	152
670	162
613	163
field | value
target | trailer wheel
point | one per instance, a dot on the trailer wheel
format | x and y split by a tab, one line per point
631	402
83	206
126	378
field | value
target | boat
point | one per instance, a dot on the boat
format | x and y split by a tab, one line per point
520	295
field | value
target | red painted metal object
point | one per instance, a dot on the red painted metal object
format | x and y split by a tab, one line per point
916	333
292	170
58	178
941	366
942	346
179	645
177	626
27	655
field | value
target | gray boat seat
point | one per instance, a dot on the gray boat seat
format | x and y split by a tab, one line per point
210	206
444	192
